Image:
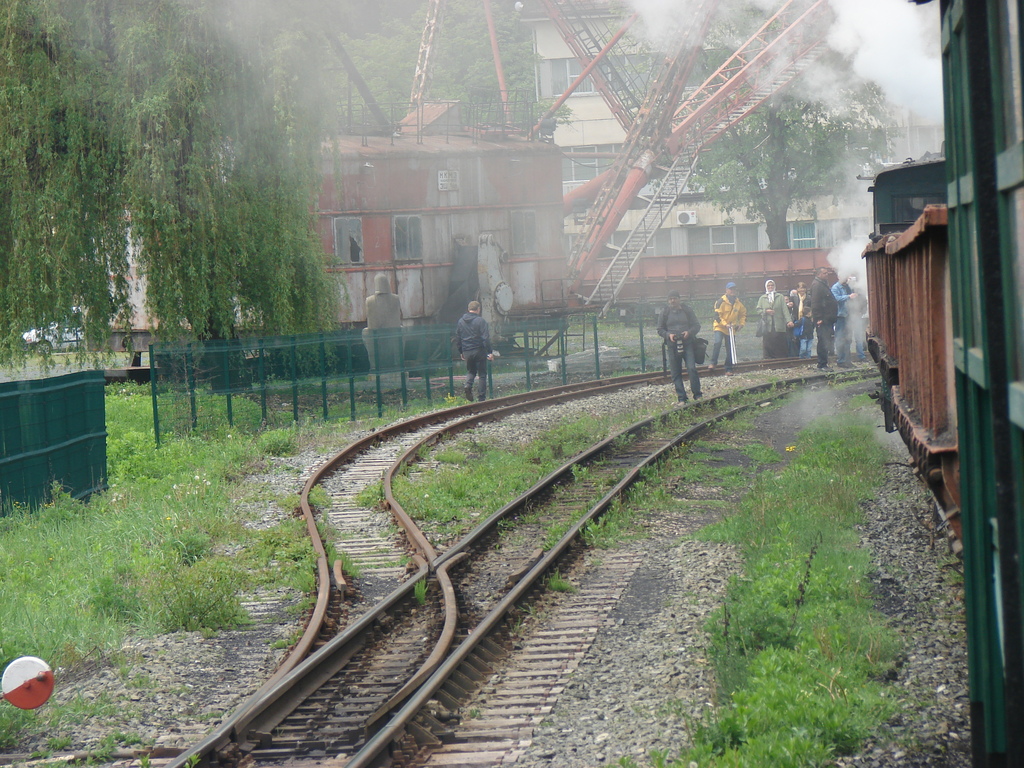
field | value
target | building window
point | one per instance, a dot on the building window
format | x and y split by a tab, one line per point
576	170
562	72
746	238
723	239
524	232
803	234
408	238
579	168
698	239
348	240
726	239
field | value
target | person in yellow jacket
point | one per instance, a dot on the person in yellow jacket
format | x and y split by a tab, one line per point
729	314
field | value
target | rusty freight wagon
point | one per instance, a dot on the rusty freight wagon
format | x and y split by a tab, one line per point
910	339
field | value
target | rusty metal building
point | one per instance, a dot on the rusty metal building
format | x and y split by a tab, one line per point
448	218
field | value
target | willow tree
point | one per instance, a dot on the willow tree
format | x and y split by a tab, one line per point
177	139
790	152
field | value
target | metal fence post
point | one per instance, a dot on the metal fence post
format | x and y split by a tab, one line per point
526	357
562	343
640	324
190	382
227	385
351	382
153	389
426	373
451	370
404	384
263	382
323	377
295	381
597	353
375	363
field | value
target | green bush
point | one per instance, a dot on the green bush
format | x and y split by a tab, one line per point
113	596
277	442
201	597
190	546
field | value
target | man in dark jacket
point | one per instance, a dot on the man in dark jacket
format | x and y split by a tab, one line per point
473	338
678	326
824	310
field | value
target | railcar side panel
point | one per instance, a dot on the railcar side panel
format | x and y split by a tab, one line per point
910	338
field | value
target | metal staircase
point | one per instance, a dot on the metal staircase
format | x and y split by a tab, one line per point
784	46
614	78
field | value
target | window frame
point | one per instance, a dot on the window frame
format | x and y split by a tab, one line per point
406	238
342	246
793	239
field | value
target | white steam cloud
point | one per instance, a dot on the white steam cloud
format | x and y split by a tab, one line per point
895	44
846	260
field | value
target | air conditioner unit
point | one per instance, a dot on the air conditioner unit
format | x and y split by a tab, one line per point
686	218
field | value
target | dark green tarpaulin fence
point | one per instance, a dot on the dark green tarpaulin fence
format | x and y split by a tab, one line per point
52	431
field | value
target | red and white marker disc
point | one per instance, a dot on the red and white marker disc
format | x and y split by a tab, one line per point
27	682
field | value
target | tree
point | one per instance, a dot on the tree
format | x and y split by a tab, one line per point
186	134
385	52
789	152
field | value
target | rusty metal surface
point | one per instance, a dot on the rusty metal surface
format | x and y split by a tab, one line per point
459	189
705	275
912	339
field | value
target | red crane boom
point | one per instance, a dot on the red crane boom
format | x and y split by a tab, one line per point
675	133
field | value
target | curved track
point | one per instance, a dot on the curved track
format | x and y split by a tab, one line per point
375	688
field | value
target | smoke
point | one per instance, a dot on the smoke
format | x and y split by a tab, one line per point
846	260
895	44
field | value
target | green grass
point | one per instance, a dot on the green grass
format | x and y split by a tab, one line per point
797	646
458	494
146	556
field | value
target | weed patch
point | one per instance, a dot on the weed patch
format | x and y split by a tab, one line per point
797	646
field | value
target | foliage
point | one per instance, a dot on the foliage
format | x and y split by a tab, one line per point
385	44
789	152
148	553
558	583
454	496
278	442
176	142
465	64
796	646
420	591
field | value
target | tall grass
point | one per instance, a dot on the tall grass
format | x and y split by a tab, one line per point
797	646
144	557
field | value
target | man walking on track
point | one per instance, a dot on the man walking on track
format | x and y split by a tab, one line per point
678	326
473	338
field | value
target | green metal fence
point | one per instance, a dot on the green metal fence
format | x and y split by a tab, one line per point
258	383
52	431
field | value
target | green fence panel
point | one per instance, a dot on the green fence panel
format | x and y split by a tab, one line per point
52	431
261	383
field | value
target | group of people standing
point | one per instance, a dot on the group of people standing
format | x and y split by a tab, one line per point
830	310
837	310
787	323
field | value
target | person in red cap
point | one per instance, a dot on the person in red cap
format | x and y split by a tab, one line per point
730	317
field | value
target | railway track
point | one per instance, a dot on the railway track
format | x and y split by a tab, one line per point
390	686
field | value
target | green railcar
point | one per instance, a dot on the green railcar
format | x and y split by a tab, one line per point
982	72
